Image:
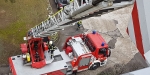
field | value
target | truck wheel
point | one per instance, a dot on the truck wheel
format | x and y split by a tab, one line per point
98	64
94	66
74	73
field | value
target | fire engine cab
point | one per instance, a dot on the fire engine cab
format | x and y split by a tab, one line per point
80	52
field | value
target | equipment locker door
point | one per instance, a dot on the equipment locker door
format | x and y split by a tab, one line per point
84	62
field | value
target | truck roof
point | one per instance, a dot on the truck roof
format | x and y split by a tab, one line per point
78	46
28	70
96	39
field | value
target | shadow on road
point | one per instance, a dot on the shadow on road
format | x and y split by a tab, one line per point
134	64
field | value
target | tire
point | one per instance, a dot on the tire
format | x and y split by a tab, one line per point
98	64
94	66
74	73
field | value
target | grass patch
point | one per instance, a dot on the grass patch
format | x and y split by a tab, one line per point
16	17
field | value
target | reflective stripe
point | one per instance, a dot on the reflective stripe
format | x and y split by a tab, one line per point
52	48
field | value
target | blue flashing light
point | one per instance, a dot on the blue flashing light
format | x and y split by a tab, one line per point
102	44
94	32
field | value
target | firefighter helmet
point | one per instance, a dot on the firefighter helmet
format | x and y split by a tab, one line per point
50	42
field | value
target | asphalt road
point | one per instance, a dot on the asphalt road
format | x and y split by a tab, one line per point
4	70
53	5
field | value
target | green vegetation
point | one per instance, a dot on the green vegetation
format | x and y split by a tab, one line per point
16	18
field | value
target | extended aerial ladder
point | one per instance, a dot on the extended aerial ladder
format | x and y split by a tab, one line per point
75	11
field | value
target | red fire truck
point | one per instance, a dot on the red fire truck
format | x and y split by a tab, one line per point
80	52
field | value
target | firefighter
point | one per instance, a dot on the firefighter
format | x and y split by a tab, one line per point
79	23
52	47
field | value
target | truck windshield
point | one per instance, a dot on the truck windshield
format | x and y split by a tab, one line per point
89	44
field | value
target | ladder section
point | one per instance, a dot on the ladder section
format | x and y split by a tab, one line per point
76	10
49	26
